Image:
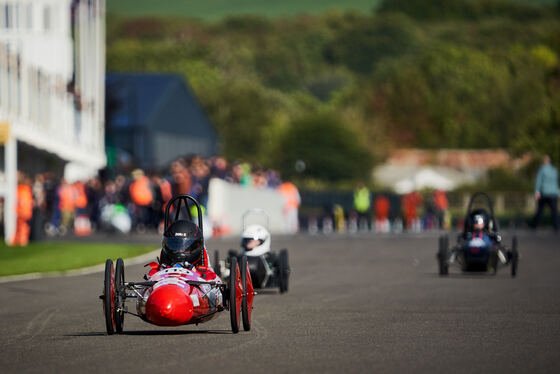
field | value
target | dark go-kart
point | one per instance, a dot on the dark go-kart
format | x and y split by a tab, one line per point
268	269
182	294
478	250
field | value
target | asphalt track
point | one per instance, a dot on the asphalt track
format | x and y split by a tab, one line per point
363	304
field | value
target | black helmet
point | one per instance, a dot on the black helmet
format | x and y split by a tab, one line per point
182	241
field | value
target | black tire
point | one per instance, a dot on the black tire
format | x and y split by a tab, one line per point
108	297
120	295
245	312
443	255
514	256
494	260
217	269
283	270
233	309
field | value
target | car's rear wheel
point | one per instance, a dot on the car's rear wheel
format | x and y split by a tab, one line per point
216	264
248	293
120	295
493	261
443	255
514	256
109	297
283	270
235	294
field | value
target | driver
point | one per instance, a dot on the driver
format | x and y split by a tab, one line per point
255	240
480	230
478	224
183	245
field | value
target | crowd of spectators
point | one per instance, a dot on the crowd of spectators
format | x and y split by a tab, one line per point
132	201
414	212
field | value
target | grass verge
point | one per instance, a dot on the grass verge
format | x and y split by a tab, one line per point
43	257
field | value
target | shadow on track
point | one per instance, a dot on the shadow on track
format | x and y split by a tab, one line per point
86	334
473	275
157	332
178	332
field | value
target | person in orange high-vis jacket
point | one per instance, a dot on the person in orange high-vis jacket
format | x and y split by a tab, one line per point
82	223
140	190
291	205
80	197
410	203
441	203
67	203
382	207
142	196
24	210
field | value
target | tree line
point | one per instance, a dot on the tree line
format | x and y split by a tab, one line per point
336	92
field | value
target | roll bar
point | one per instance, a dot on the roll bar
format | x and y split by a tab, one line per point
256	211
182	199
490	207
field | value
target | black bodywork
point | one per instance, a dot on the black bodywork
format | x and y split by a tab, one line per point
478	250
269	270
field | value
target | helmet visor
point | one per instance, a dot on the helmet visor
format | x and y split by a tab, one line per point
250	243
179	244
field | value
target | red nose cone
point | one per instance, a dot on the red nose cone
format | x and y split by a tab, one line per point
169	305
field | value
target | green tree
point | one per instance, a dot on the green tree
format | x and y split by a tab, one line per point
446	97
369	40
241	112
462	9
329	150
453	73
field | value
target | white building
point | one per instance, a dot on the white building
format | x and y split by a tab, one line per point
52	70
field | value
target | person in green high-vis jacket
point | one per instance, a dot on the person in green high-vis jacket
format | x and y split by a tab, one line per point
362	203
546	192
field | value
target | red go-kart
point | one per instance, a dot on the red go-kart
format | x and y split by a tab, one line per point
178	295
